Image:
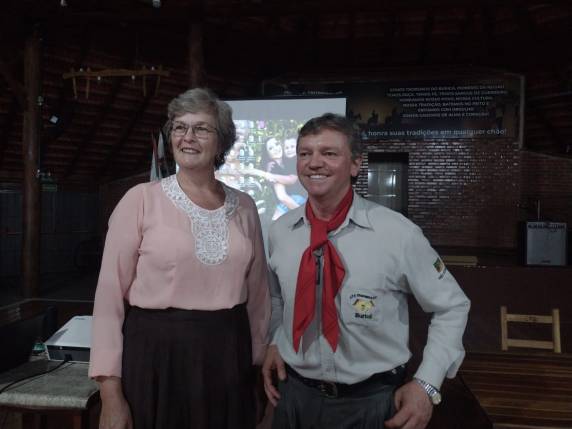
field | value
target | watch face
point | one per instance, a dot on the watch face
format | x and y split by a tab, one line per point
436	398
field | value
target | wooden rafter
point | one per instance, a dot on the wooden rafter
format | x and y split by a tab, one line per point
526	24
489	26
65	106
104	111
351	46
389	37
95	125
15	85
7	127
31	195
464	32
547	124
99	74
314	35
195	43
427	32
196	57
180	14
116	73
118	145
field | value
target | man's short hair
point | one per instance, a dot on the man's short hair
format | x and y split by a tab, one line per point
334	122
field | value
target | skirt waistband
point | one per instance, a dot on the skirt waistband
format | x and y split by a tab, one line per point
175	314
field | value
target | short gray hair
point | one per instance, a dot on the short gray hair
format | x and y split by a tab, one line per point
203	100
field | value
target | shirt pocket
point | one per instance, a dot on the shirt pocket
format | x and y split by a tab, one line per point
360	306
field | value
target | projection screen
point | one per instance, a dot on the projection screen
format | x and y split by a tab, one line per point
262	162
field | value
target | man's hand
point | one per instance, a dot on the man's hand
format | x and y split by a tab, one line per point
272	362
413	406
115	413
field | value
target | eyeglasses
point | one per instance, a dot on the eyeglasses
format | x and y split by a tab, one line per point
202	132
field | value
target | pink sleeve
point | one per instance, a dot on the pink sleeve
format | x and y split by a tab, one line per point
258	305
117	272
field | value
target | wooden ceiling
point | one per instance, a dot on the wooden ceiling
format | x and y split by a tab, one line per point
106	134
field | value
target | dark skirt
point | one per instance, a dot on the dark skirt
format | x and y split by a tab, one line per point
188	369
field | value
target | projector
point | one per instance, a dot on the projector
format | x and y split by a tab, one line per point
72	341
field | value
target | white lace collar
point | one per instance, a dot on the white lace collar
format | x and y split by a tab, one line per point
209	227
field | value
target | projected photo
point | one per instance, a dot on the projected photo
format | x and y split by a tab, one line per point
262	162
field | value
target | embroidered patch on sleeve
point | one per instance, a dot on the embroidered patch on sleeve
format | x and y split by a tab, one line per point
440	267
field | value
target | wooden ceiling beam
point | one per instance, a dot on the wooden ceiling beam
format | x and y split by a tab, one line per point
526	24
552	131
426	40
196	62
390	31
7	127
519	58
65	106
541	50
464	32
16	87
111	157
31	192
176	18
351	48
488	30
95	125
102	115
173	13
314	33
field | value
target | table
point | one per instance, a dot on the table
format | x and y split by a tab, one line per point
529	389
66	390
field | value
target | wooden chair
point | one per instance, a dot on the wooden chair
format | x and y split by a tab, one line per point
553	319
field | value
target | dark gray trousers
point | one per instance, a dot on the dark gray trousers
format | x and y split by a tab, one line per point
304	407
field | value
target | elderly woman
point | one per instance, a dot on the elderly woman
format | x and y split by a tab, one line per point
186	254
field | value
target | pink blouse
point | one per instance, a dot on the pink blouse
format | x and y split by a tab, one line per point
164	251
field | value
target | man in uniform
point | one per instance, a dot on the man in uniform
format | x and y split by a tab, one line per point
341	269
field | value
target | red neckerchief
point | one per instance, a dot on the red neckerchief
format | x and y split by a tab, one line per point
334	272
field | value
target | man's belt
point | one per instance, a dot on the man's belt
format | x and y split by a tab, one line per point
330	389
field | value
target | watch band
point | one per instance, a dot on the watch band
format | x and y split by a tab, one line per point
432	392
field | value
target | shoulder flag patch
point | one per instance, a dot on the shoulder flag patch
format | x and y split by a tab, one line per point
440	267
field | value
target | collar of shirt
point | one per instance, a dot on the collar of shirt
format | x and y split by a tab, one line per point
357	214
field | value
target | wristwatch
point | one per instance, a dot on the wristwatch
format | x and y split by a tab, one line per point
432	392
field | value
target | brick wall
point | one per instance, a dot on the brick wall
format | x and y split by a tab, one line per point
462	193
468	193
547	179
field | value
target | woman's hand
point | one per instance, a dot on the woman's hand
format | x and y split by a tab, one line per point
115	413
273	363
260	399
